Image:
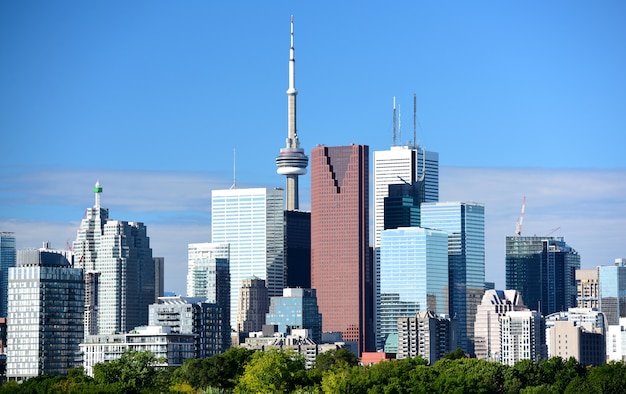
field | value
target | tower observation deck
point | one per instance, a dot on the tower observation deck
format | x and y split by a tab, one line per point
292	161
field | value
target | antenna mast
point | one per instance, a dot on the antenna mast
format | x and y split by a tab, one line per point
234	185
414	120
394	121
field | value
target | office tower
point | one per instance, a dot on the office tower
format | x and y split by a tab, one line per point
413	275
45	315
253	305
120	252
251	221
292	161
7	260
341	267
298	249
208	273
612	289
578	333
159	277
495	303
427	335
588	292
189	315
465	224
543	270
297	308
402	206
521	337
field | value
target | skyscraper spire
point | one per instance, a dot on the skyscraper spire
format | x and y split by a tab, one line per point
97	189
292	161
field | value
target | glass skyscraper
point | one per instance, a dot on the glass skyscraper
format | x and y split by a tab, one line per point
251	221
45	315
612	281
7	260
543	270
413	275
297	308
465	224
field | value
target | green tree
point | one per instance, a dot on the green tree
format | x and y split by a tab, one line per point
218	371
134	371
331	358
273	371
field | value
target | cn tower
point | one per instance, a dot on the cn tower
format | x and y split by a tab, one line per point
292	161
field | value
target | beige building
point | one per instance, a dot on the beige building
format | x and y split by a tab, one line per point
253	305
570	340
587	288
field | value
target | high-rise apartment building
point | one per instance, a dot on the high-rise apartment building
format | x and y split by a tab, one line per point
7	260
252	222
413	275
427	335
45	315
189	315
253	305
465	224
612	289
208	273
588	292
578	333
297	308
521	337
341	266
119	251
543	270
495	303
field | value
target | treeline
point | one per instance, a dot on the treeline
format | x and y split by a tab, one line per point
244	371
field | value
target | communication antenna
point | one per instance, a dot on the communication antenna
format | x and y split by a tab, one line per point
399	124
414	119
394	121
234	185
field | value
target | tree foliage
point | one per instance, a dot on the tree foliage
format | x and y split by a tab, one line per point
273	371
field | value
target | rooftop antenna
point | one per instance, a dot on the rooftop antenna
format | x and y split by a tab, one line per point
394	121
414	119
399	124
234	185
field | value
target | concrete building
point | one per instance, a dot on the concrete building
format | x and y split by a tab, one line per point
186	315
612	290
521	337
427	335
569	340
252	222
465	224
413	275
543	270
296	309
45	315
587	289
341	262
119	251
8	258
174	348
253	305
495	303
616	341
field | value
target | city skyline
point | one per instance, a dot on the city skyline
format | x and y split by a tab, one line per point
155	100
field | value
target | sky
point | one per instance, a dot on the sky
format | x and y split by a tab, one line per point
164	101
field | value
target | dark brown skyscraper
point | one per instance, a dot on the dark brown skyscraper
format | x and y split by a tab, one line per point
341	270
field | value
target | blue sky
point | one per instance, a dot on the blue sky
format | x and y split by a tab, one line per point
152	98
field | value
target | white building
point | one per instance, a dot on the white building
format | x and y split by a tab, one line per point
174	348
251	221
207	269
521	337
616	341
495	303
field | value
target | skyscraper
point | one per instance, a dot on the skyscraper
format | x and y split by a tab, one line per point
465	224
292	161
120	252
521	337
543	270
253	305
45	315
612	280
251	221
413	275
297	308
427	335
341	266
298	249
7	260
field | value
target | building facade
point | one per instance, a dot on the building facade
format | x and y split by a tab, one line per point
45	315
543	270
341	263
521	337
187	315
298	249
208	275
297	308
253	305
251	221
413	275
612	290
427	335
465	224
120	252
588	291
8	259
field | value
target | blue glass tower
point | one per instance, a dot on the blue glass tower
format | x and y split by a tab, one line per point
465	224
612	282
297	308
7	260
413	275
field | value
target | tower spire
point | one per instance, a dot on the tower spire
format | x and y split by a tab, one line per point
292	161
97	190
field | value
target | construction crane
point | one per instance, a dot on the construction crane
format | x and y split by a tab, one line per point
554	230
518	227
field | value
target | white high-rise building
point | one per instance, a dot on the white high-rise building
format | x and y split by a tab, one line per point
251	221
207	269
521	337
